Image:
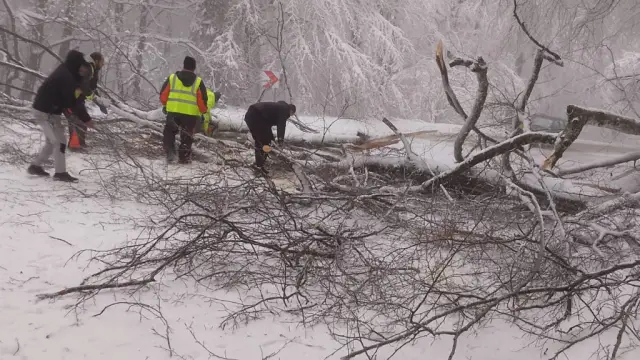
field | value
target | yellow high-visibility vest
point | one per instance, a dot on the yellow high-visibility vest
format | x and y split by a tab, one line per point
183	99
211	102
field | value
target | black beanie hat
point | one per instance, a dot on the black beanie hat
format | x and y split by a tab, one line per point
189	63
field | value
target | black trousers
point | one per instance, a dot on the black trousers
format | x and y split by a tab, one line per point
262	134
79	127
186	126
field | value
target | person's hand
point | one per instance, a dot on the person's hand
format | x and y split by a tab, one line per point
103	109
89	124
67	112
164	109
280	142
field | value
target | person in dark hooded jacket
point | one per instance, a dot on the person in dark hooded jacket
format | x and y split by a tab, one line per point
184	96
56	95
260	118
89	87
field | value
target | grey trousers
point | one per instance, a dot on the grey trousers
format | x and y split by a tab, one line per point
55	141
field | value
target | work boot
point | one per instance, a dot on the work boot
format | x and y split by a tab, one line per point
64	176
81	149
37	170
172	158
259	170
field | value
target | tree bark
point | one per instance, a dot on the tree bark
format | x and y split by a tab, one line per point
67	30
579	117
35	57
142	44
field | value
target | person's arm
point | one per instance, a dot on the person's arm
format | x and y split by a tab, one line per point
95	96
282	125
202	97
80	111
94	81
164	92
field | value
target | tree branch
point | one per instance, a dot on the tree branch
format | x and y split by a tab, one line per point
556	58
632	156
491	152
579	117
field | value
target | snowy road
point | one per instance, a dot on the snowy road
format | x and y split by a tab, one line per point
581	152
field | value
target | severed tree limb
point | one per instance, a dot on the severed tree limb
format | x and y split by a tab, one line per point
632	156
607	120
411	156
521	122
480	68
518	125
488	153
579	117
522	105
451	96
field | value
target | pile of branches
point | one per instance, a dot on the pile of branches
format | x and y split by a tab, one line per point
384	269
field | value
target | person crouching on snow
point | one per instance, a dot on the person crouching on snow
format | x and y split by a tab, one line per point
56	95
260	118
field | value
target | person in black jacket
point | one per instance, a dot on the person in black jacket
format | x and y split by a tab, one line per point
56	95
89	87
260	118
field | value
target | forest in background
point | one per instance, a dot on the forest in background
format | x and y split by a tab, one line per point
356	58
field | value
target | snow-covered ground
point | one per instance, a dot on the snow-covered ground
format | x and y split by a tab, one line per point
43	224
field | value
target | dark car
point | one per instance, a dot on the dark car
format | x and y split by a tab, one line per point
546	123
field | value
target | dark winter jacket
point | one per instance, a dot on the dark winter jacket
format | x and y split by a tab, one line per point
90	81
274	114
57	92
187	78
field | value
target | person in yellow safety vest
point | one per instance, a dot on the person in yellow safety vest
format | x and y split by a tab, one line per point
184	96
212	100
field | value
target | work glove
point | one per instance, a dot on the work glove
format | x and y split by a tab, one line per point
103	109
67	112
280	142
164	110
